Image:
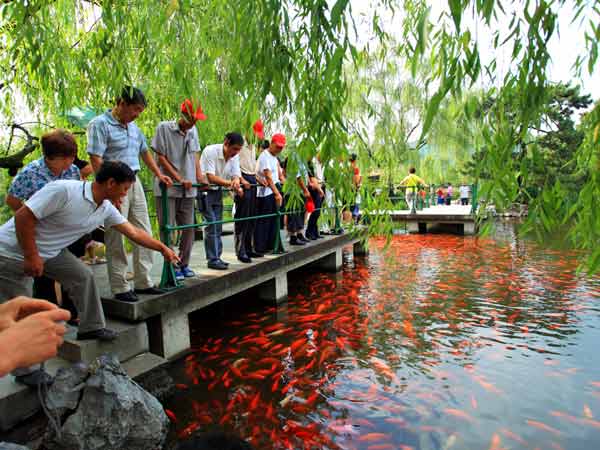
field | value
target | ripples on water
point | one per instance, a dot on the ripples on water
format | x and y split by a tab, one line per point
437	342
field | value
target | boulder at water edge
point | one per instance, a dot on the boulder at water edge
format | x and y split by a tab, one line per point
101	408
9	446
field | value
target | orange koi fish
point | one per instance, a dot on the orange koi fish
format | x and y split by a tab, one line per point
459	413
543	426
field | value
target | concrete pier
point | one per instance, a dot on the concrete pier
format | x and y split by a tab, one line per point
456	219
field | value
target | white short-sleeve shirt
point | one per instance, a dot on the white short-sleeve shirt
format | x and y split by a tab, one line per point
213	161
267	161
464	191
65	211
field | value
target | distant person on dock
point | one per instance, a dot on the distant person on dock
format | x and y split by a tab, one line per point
464	190
220	163
411	182
178	149
449	192
31	331
113	136
269	198
34	242
440	196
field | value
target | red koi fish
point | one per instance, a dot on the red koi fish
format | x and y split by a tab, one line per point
458	413
171	415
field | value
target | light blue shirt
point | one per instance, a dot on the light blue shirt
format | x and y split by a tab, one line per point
113	141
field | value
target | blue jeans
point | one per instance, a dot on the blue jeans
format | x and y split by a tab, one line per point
213	211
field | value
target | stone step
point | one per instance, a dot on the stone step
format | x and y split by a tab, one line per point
132	341
18	402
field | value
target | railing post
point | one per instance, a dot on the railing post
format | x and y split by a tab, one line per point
413	208
337	228
168	279
277	245
474	199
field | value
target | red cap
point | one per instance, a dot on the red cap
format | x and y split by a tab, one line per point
278	139
187	109
259	129
309	205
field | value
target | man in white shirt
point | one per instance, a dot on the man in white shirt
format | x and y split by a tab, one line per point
34	242
220	163
464	194
269	197
178	150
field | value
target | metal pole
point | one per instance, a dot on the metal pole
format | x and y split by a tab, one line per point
168	279
474	199
277	245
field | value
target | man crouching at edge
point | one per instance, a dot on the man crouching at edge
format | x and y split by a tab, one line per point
34	242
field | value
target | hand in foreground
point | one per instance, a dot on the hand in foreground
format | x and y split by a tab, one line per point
21	307
33	339
33	265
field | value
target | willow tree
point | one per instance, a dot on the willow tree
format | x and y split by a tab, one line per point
284	60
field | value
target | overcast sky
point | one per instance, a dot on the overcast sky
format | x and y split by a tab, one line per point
564	48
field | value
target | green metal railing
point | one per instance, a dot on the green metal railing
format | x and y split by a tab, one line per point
168	279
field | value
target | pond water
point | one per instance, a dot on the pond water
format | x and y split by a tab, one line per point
435	342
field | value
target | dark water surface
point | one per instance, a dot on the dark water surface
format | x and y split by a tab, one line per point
437	342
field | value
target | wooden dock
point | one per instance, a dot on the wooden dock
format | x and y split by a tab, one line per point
450	218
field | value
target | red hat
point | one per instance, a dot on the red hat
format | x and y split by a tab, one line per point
309	205
278	139
259	129
187	109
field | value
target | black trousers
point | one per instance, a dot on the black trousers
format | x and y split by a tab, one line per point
312	228
245	207
265	229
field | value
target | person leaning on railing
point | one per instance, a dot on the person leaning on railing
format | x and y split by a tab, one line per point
113	136
269	198
245	206
220	163
411	182
178	149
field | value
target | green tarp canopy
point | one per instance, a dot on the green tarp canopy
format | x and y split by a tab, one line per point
81	116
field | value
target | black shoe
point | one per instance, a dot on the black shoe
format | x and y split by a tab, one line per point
302	238
103	334
319	236
35	379
255	255
217	265
150	291
295	241
244	259
224	262
311	237
128	296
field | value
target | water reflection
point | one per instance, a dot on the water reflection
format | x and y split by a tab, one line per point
436	342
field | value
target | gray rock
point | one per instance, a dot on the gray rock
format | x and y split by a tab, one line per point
9	446
112	413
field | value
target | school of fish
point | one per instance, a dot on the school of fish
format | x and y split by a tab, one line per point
431	342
